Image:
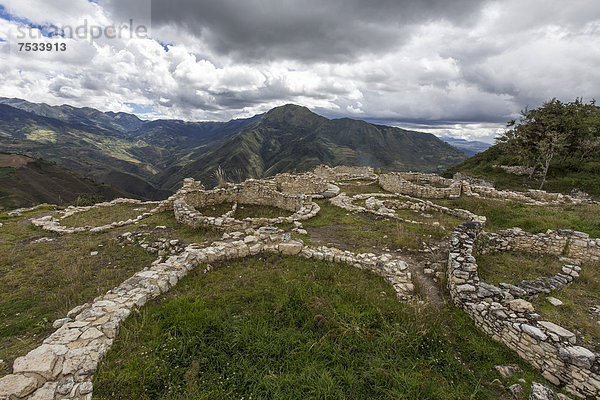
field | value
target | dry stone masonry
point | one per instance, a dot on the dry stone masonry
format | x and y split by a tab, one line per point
52	224
192	197
62	367
390	203
549	347
436	187
573	244
345	173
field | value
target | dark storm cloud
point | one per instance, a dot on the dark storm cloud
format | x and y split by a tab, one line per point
307	30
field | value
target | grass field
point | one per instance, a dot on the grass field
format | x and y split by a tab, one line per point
40	282
288	328
244	211
105	215
578	297
365	231
535	219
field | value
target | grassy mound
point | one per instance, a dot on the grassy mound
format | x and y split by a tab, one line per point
289	328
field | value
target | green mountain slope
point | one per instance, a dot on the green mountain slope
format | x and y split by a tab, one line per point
120	122
292	138
102	155
151	158
26	181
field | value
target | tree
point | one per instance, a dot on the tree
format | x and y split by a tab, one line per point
554	130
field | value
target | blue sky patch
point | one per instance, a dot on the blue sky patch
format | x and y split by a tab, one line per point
141	108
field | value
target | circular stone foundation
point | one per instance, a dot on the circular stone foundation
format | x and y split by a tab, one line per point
192	197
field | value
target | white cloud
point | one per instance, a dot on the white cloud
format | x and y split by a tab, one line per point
461	76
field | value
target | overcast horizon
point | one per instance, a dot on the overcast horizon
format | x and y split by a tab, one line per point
461	68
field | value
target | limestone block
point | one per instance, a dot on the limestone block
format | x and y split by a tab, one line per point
16	385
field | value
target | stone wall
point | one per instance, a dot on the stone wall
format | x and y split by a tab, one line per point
307	183
435	187
550	348
387	206
399	183
573	244
63	367
342	172
472	180
52	224
189	199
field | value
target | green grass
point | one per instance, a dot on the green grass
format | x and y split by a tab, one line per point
40	282
215	210
564	173
105	215
366	232
259	211
290	328
574	314
6	172
353	189
531	218
513	267
181	231
244	211
578	297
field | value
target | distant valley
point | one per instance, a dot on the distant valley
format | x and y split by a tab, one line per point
149	159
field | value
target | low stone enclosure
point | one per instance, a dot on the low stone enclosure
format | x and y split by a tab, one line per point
573	244
192	197
63	367
550	348
391	202
436	187
345	173
386	204
52	224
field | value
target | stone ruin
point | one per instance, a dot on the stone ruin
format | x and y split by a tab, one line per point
192	197
344	173
52	224
436	187
62	368
507	318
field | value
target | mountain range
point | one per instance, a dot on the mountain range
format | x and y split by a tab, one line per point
469	147
150	158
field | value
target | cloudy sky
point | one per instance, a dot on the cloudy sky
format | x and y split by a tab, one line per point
461	67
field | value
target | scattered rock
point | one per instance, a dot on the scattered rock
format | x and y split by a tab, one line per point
541	392
93	253
506	371
554	301
520	305
516	390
